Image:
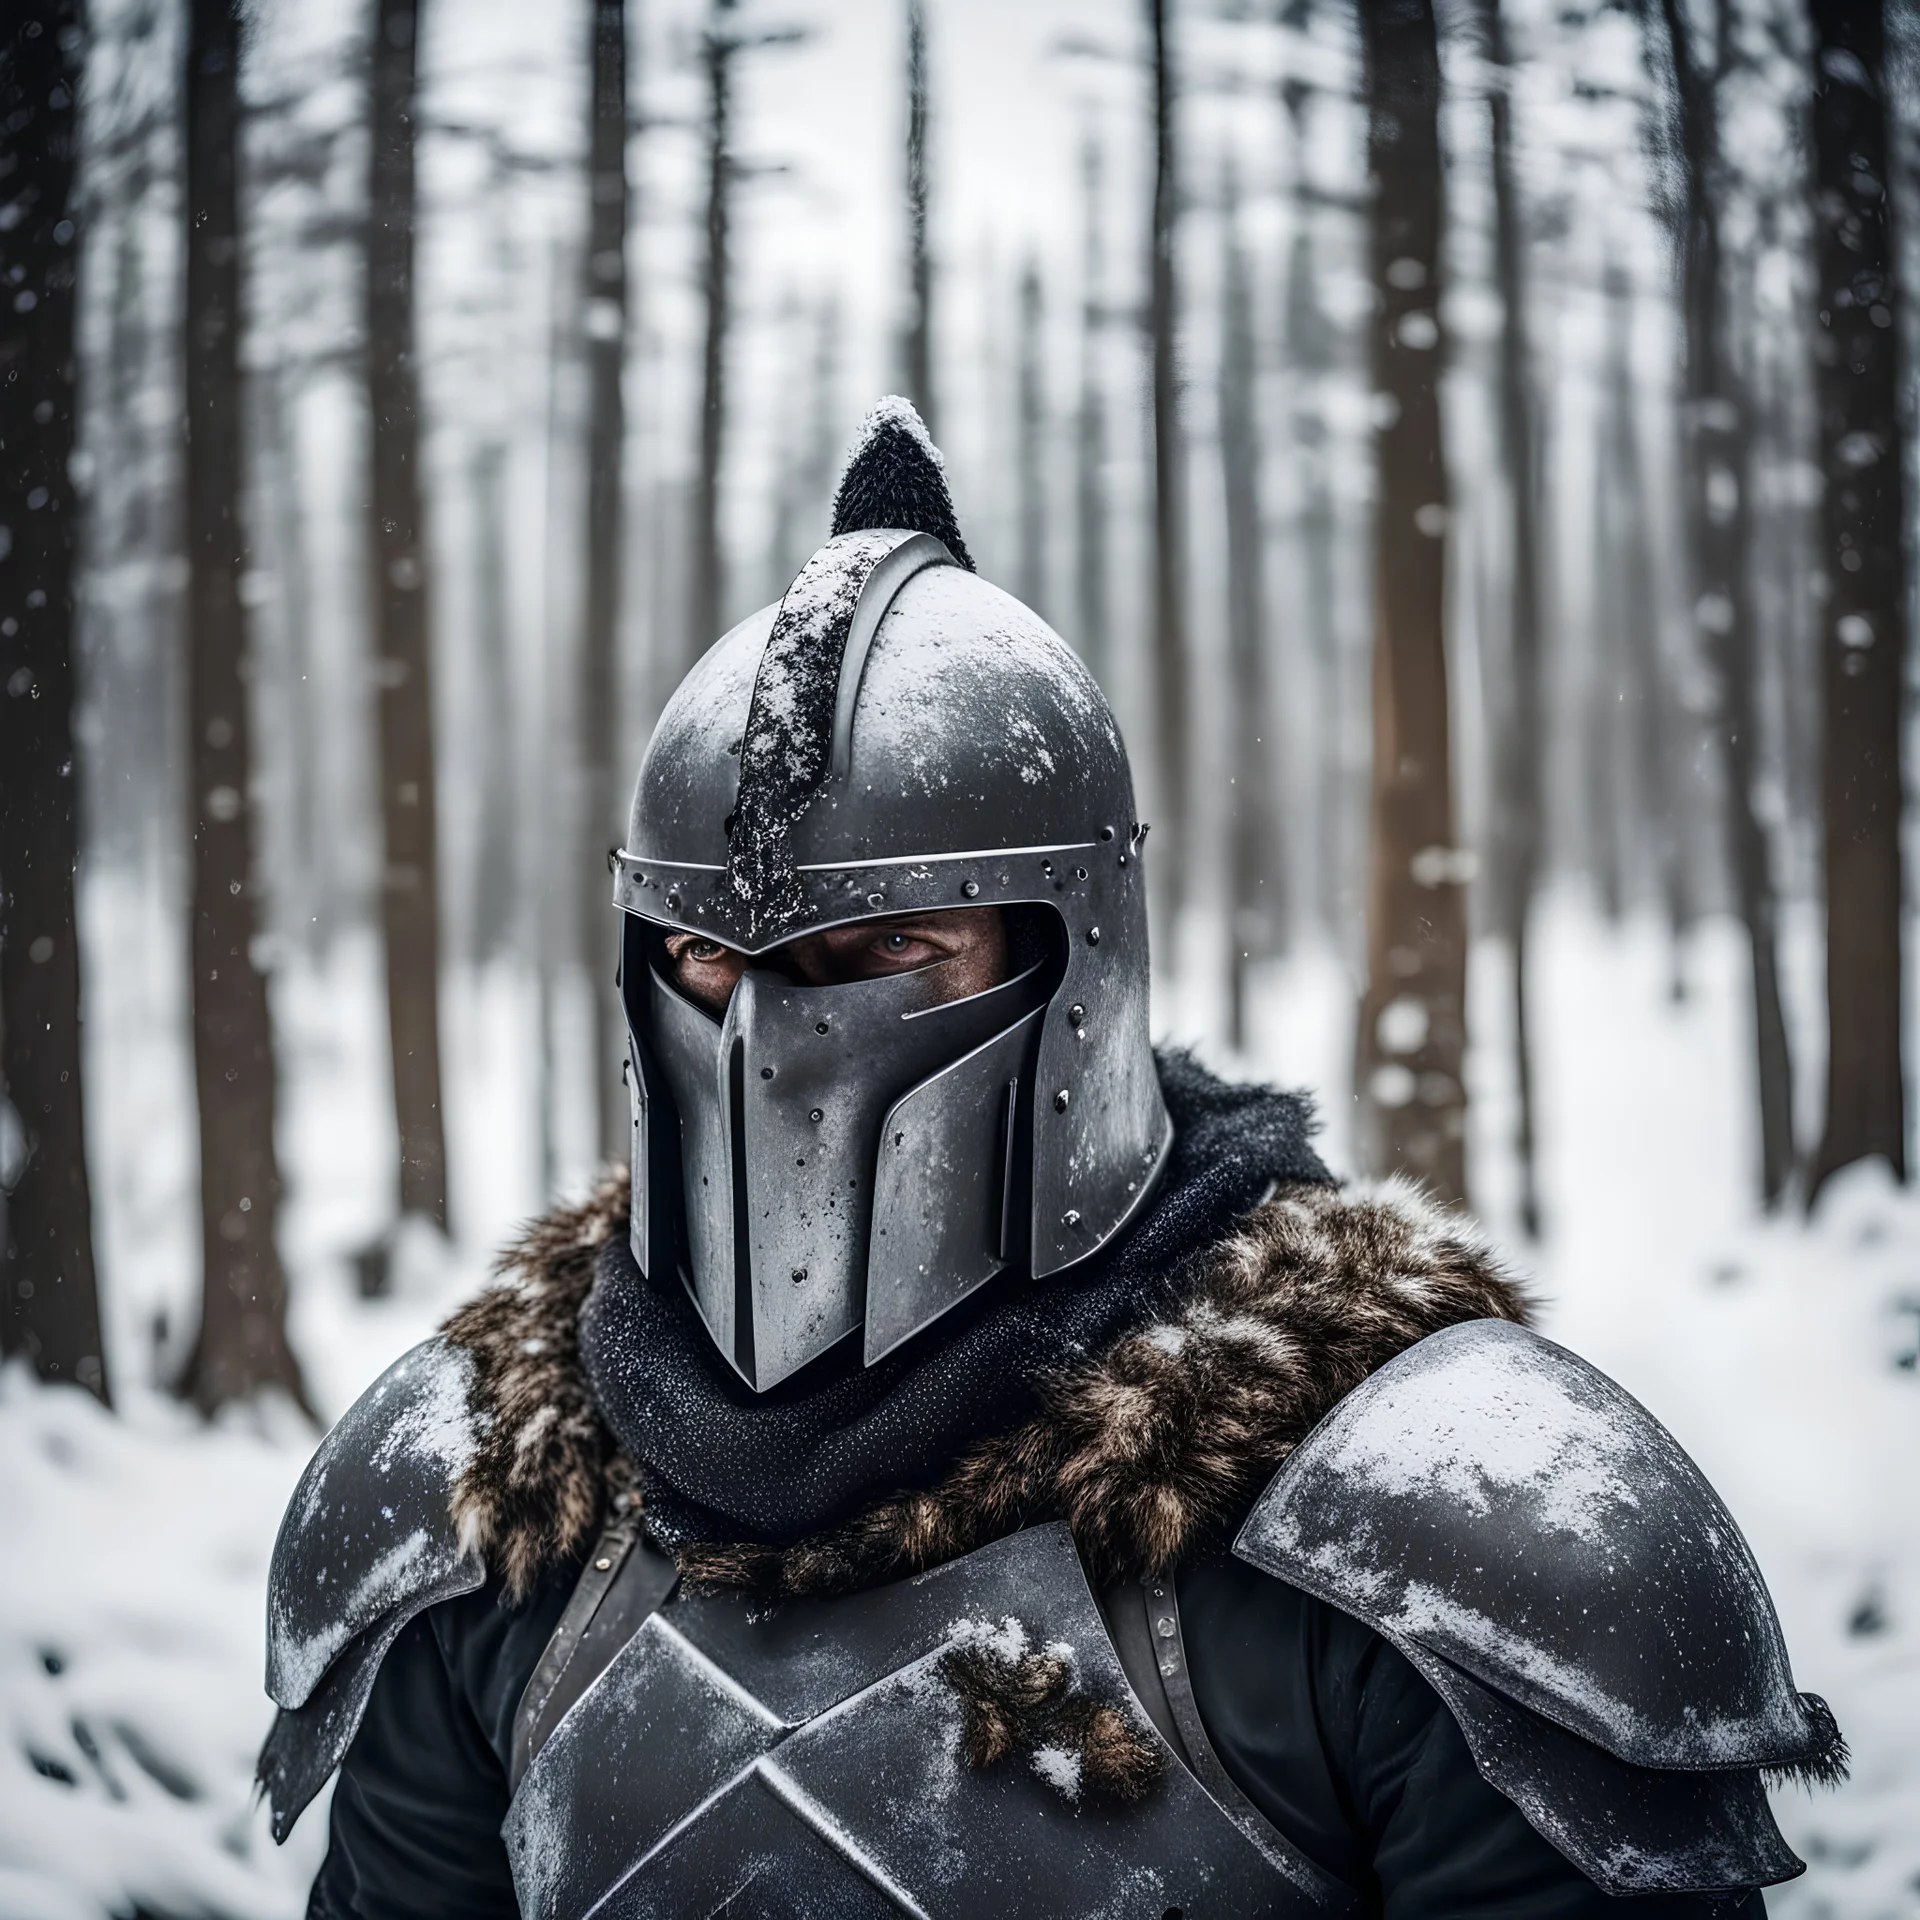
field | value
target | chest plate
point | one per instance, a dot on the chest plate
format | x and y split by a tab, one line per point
805	1760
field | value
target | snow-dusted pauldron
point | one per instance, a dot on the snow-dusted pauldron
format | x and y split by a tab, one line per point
895	736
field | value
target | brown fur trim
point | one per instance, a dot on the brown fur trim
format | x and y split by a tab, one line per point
1167	1437
1145	1450
1013	1700
545	1469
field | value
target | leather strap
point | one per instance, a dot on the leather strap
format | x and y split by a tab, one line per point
1144	1619
624	1580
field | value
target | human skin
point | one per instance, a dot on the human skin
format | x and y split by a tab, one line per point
968	944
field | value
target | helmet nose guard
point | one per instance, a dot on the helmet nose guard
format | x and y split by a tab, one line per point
846	1155
897	736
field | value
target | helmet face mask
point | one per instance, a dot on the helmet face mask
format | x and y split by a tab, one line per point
810	1119
897	737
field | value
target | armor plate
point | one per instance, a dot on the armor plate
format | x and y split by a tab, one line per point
806	1760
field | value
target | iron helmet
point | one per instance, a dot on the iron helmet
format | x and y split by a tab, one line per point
895	736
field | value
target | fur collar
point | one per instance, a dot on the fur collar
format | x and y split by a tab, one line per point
1148	1449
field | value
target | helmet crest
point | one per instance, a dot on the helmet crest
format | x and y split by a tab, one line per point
895	477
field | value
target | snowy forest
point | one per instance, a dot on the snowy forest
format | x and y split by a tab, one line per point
1471	442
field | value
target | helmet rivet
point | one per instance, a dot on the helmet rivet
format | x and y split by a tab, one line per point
1061	1100
816	1116
1071	1218
971	888
876	899
1079	873
1076	1014
1093	936
673	903
1106	833
1123	859
1046	867
766	1073
799	1276
819	1026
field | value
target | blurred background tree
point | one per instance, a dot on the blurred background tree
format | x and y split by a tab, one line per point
1467	443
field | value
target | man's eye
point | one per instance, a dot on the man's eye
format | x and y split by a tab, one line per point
897	942
702	950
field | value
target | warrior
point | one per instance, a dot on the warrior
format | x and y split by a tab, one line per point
971	1463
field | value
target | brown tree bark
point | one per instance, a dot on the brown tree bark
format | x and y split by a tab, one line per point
410	895
718	47
1257	847
50	1309
1170	662
1517	829
242	1345
1863	652
1719	519
919	339
602	783
1413	1015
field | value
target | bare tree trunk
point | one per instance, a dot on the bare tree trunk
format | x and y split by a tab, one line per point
600	781
242	1343
1413	1016
1257	848
717	50
1627	556
1719	438
409	893
1519	786
495	891
51	1307
1864	640
1170	661
1030	491
822	429
919	341
306	838
1090	432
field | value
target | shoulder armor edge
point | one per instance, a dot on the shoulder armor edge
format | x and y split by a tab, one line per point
1493	1499
369	1533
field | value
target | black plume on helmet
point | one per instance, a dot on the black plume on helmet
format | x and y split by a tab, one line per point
896	478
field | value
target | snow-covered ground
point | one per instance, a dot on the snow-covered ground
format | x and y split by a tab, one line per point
1784	1353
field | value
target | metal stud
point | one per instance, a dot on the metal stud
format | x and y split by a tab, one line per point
1093	936
1062	1100
971	888
603	1563
1071	1218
